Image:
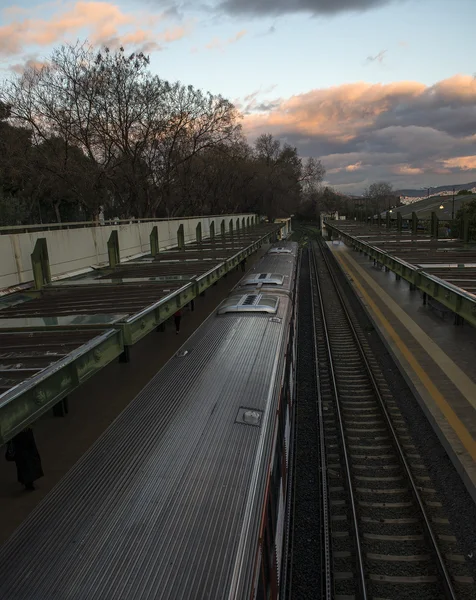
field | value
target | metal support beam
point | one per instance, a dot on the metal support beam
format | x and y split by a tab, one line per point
434	225
212	230
181	238
466	228
230	227
198	233
399	221
62	408
456	299
26	402
222	228
113	249
154	241
40	263
414	223
238	227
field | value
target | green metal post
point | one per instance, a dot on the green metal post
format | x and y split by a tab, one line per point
248	222
113	249
40	263
212	230
181	238
154	241
466	228
434	225
243	225
399	221
414	223
198	233
231	227
222	228
237	227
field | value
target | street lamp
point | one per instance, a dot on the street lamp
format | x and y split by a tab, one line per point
453	212
441	206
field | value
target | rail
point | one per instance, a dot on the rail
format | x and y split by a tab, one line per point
429	534
325	515
353	503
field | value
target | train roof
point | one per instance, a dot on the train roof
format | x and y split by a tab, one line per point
275	271
165	504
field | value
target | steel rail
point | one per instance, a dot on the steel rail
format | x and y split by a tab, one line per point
353	505
325	513
288	548
446	580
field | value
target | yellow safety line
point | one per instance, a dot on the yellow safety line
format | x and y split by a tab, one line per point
456	424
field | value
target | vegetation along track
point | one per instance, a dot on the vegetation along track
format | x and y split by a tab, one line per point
384	533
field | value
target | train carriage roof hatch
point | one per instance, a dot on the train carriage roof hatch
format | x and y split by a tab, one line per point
250	303
264	278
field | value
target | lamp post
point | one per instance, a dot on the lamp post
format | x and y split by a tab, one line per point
453	211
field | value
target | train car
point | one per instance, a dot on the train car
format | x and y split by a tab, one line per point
184	495
276	271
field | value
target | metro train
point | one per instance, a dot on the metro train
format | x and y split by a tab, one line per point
185	495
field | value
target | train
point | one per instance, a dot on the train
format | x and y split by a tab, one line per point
186	494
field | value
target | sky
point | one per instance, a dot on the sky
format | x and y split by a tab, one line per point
379	90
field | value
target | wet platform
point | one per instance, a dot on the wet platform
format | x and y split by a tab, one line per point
437	358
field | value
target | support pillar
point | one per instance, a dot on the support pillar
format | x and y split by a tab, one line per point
466	228
222	228
434	225
113	249
154	241
414	223
40	264
212	230
399	222
61	409
198	233
125	357
181	238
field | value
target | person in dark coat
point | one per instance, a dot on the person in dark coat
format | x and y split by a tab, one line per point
22	449
177	319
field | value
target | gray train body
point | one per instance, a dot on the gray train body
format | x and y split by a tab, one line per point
184	495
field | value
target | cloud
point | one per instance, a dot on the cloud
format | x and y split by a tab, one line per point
30	62
377	58
404	132
102	22
218	43
465	163
314	7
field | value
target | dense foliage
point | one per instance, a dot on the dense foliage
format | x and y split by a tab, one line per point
97	132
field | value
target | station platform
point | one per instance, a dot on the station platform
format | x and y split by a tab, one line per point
437	358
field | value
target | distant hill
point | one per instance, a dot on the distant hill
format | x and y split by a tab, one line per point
434	191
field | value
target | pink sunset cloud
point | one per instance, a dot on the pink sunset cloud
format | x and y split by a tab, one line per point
365	132
100	22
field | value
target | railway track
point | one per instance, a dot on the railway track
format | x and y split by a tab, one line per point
384	533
